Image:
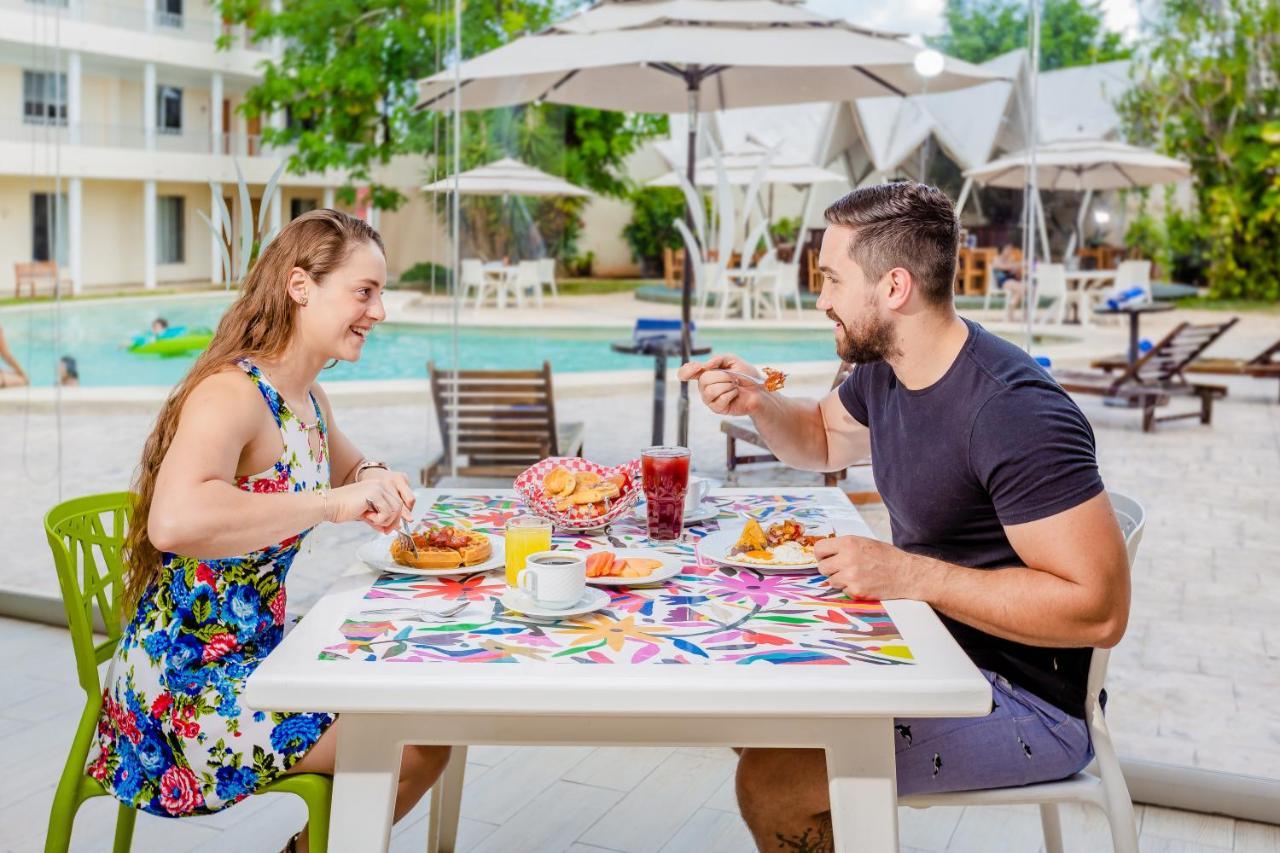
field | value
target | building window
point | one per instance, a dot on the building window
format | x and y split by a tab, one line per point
170	227
169	13
299	206
44	97
168	109
49	227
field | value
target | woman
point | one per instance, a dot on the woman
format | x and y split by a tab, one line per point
18	376
235	474
1005	269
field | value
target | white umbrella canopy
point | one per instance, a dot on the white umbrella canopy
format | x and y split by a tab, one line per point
507	177
648	55
1083	165
741	166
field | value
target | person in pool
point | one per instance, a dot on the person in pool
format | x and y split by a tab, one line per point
158	327
245	459
68	372
16	376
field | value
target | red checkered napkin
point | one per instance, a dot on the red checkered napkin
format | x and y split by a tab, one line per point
529	486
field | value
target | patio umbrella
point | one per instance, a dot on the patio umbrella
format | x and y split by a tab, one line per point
741	165
669	56
1092	164
506	177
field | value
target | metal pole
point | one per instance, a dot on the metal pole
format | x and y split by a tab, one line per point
1031	206
457	231
692	81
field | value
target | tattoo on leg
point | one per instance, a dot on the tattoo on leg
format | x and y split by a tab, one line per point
905	732
937	763
815	839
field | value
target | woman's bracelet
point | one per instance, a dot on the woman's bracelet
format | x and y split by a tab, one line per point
365	465
324	504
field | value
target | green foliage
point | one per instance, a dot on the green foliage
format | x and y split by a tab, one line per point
1071	32
654	211
784	229
425	274
1206	91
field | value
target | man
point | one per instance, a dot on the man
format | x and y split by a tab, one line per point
999	517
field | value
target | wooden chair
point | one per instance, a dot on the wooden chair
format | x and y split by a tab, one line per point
672	267
815	274
506	421
1156	376
741	429
1264	365
38	278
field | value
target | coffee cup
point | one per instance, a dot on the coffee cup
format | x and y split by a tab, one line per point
698	490
555	580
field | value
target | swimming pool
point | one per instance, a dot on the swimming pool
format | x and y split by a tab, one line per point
93	332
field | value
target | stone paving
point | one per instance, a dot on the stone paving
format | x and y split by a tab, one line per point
1196	680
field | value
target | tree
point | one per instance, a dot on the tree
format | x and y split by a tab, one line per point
1207	90
1072	32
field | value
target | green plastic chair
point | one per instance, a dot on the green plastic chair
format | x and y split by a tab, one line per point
86	535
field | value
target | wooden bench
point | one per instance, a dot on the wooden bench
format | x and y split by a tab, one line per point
1157	376
742	430
39	278
506	421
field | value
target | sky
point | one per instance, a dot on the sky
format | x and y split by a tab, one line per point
925	16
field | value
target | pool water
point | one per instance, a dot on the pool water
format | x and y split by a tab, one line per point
95	334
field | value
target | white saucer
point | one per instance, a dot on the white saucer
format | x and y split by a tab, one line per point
376	554
592	599
703	512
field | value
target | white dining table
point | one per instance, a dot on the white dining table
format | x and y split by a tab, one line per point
896	659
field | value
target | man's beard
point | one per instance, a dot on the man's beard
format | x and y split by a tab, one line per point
872	341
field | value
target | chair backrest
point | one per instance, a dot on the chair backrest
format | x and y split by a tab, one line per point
35	276
506	419
86	537
709	276
547	270
527	274
1051	280
1267	355
786	279
1134	274
1132	518
472	271
1166	360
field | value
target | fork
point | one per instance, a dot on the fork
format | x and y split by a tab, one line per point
756	380
405	537
428	615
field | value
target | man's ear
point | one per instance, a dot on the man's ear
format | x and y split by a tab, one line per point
900	286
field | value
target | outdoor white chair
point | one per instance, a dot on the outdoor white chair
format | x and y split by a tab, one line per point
714	281
1051	283
1101	783
776	284
1134	274
547	275
527	280
473	278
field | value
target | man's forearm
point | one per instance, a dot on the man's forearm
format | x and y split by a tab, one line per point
1018	603
793	430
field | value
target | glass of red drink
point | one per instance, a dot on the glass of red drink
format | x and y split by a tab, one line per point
666	478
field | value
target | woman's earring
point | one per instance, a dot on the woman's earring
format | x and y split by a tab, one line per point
303	300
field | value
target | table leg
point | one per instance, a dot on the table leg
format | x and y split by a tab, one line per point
1133	336
862	775
446	804
365	778
659	397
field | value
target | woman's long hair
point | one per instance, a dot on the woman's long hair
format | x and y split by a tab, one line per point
258	325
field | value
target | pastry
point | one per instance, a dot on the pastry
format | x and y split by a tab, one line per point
774	379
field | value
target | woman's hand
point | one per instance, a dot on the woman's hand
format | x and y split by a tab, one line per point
380	499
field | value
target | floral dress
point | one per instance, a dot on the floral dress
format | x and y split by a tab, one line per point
173	737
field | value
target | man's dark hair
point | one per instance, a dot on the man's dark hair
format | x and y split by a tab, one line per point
906	225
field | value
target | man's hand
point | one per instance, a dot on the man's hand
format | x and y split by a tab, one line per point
721	392
866	568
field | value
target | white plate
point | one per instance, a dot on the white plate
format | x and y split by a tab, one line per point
670	567
716	546
592	599
376	554
703	512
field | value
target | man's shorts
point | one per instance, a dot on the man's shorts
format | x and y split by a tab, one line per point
1023	740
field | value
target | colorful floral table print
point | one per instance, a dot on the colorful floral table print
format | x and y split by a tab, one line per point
708	614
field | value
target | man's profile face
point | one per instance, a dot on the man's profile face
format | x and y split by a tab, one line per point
863	330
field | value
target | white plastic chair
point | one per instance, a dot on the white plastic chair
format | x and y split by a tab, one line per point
473	278
547	275
1101	783
1134	274
713	281
527	280
773	289
1051	281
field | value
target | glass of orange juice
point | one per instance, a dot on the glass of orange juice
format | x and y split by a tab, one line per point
525	535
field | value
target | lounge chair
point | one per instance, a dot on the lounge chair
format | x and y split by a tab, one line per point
1264	365
1157	376
741	429
506	421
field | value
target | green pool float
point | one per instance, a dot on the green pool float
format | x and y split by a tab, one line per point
179	340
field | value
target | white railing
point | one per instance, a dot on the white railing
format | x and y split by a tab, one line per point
49	132
105	13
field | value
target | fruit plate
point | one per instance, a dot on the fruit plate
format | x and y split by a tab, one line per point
671	566
592	516
376	554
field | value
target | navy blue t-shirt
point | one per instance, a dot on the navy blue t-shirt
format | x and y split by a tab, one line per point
995	441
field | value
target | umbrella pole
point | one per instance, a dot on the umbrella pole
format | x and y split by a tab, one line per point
686	294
